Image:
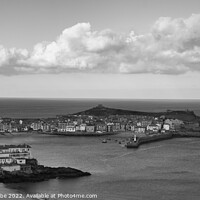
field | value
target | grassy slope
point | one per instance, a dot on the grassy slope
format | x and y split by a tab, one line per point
104	111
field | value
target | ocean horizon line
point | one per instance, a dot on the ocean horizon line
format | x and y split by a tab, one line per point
109	99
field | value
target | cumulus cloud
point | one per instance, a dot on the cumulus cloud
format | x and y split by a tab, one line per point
171	47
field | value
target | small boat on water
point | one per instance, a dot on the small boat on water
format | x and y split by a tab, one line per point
104	141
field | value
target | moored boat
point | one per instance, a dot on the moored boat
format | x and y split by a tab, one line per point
104	141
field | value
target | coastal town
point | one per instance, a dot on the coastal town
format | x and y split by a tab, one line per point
101	124
141	128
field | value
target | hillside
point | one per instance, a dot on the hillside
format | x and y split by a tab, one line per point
105	111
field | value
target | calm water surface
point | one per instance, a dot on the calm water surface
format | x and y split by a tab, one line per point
35	108
165	170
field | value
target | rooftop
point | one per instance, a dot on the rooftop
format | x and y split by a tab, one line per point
5	158
14	146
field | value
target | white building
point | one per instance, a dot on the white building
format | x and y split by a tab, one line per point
166	127
6	160
159	125
19	151
153	128
132	127
82	127
12	156
62	127
70	128
21	161
10	167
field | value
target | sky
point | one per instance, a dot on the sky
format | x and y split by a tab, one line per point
136	49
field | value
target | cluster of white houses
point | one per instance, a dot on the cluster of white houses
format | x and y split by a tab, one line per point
141	124
90	124
15	157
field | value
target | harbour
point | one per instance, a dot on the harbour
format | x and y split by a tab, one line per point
135	142
172	164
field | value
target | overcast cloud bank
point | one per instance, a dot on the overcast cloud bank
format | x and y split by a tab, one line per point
171	47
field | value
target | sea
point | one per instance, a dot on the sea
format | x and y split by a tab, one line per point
165	170
41	108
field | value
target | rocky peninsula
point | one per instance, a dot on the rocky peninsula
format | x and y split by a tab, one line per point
17	165
41	173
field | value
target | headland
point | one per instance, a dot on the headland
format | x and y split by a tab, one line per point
17	165
103	121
